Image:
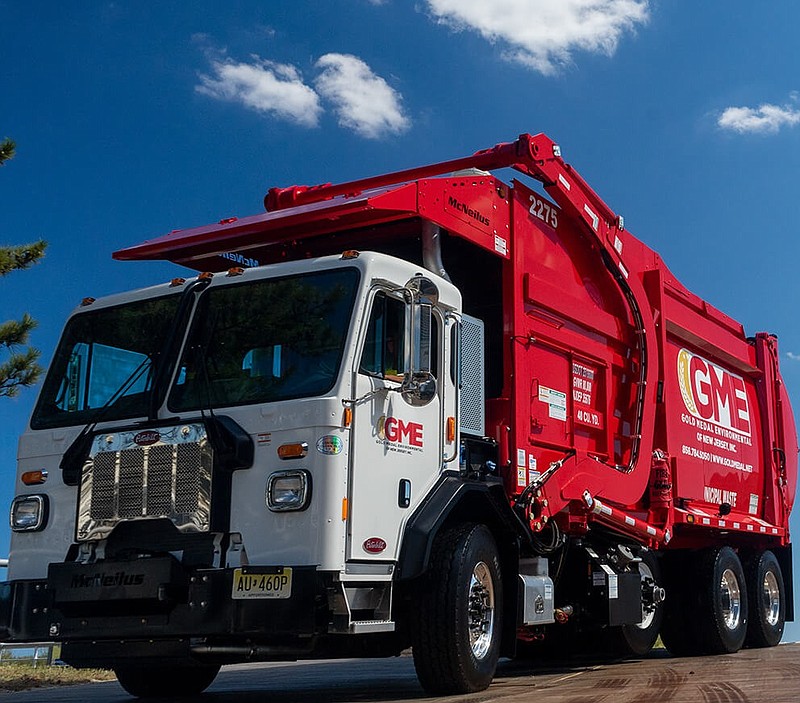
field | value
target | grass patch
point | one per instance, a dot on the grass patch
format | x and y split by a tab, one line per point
21	676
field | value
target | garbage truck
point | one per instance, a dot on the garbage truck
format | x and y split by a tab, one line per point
445	410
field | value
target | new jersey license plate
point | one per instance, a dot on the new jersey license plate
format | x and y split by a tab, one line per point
262	582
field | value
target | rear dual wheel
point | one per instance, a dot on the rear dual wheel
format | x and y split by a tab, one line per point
707	604
766	600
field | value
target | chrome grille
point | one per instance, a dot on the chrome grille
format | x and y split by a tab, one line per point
159	473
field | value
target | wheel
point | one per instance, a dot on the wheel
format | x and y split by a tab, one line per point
456	638
723	614
637	640
766	600
678	632
145	681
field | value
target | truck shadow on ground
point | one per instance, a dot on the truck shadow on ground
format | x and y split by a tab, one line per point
745	677
369	680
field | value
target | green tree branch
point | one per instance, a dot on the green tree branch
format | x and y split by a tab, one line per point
21	368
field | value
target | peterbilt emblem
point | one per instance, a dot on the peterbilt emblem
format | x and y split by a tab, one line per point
374	545
147	437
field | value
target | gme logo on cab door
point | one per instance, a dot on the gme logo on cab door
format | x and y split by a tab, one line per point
712	393
395	430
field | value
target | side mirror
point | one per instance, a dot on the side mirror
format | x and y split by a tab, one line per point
421	324
419	385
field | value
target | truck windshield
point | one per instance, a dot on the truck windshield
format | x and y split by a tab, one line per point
266	340
102	368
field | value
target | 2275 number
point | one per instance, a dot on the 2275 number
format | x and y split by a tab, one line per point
544	211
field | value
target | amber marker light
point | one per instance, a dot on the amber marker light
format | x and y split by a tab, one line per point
350	254
451	429
347	417
175	282
690	518
295	450
34	478
344	508
87	301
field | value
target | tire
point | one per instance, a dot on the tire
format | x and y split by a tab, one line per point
681	605
638	640
144	681
723	614
766	599
456	637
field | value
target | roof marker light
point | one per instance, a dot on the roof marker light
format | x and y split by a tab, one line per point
87	301
350	254
235	271
177	282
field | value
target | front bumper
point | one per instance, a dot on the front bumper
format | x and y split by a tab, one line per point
93	610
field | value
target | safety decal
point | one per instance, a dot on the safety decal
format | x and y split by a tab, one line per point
556	402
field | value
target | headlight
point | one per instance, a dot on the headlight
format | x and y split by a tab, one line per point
28	513
288	490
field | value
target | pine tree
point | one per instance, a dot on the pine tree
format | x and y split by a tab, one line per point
21	368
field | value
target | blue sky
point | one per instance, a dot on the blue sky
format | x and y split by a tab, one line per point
136	118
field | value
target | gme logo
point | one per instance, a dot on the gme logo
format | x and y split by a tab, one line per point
712	393
394	429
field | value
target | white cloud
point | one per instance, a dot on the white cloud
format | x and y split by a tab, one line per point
363	101
543	34
793	356
765	118
264	86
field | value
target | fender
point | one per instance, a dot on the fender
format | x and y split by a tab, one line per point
455	499
784	556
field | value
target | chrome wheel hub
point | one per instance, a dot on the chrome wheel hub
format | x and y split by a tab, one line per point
771	599
481	610
731	596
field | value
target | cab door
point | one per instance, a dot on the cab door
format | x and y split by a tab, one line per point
396	446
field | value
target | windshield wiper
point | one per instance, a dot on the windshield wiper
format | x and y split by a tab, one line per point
74	456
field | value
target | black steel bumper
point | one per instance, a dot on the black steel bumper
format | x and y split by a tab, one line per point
156	608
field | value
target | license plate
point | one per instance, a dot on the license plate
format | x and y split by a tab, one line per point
262	582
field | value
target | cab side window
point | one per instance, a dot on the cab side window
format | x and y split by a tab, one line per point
383	350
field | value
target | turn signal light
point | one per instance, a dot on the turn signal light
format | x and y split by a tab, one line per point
293	451
451	429
34	478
